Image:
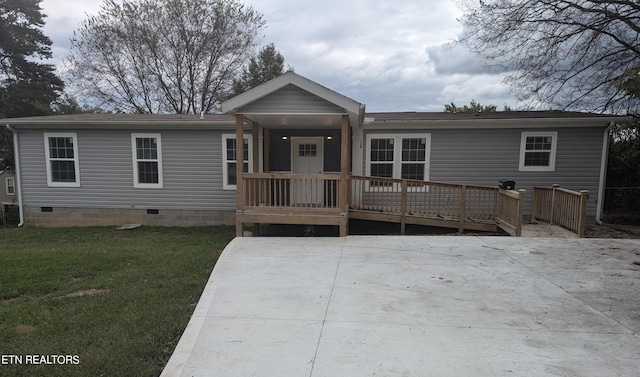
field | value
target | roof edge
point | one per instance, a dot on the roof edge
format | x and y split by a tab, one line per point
507	123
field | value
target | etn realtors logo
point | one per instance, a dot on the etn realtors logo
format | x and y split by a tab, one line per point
39	359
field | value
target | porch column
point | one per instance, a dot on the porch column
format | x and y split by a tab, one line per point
256	163
345	155
256	148
266	162
239	170
345	160
356	151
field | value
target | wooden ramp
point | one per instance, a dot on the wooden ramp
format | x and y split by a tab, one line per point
443	222
324	199
447	205
540	229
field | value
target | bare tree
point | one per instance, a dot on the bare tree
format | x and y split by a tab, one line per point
162	56
566	53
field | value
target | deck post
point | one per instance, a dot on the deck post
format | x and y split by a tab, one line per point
462	204
239	170
584	196
519	212
553	202
403	208
534	206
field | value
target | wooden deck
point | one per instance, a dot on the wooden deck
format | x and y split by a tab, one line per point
312	199
330	199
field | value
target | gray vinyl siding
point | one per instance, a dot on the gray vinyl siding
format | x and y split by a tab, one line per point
192	172
291	99
486	156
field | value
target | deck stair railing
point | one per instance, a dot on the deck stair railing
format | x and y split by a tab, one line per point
559	206
510	211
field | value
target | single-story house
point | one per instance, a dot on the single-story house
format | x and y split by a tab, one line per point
7	187
8	200
303	145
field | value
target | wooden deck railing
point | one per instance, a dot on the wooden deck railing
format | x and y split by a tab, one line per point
292	192
560	206
510	208
384	199
443	201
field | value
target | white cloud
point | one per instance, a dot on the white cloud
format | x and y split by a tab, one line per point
451	59
488	89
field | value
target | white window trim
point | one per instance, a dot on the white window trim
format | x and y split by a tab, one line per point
552	154
134	158
13	180
76	163
397	154
225	162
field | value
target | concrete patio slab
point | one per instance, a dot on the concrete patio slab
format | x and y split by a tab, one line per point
416	306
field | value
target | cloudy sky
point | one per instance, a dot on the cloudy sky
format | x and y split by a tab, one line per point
389	55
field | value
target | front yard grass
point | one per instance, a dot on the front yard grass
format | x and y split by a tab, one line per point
111	302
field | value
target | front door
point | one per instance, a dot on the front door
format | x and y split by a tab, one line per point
307	157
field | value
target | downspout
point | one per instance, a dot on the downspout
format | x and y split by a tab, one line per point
603	173
17	169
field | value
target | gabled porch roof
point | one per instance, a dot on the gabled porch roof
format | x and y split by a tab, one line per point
291	101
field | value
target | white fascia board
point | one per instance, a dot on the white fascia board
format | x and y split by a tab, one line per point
127	125
514	123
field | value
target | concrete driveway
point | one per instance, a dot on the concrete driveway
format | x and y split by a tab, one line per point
417	306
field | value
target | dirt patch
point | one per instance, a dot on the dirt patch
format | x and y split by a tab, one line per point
15	300
612	231
23	330
87	292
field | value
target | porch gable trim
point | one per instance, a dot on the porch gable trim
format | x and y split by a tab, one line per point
252	95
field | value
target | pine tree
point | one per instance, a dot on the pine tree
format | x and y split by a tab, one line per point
27	86
267	65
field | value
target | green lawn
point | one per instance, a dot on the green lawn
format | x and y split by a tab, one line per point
114	301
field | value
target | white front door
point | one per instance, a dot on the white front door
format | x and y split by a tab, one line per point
307	157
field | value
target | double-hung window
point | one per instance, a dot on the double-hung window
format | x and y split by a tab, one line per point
398	156
147	160
61	152
230	159
11	186
538	151
414	157
382	156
